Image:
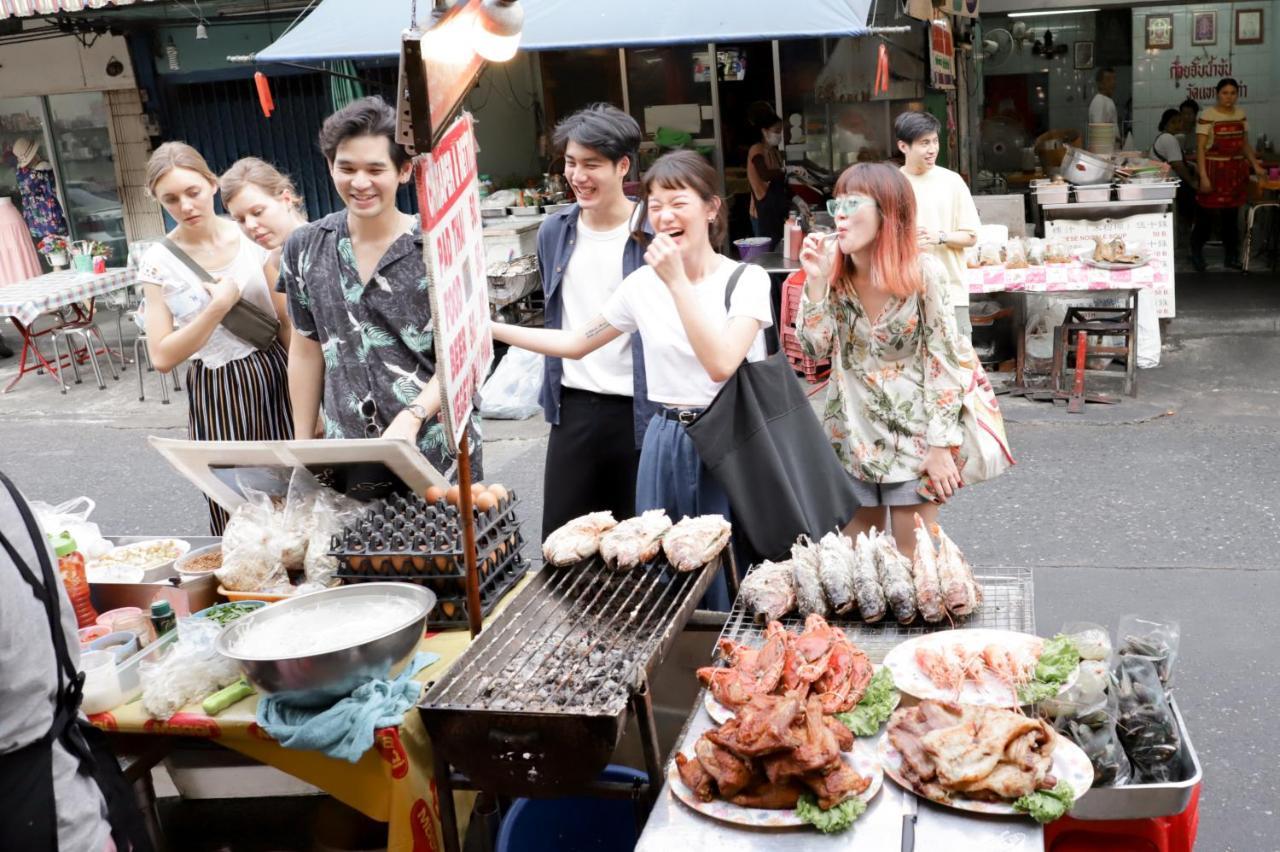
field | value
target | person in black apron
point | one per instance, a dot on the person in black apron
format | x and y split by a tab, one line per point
29	816
767	174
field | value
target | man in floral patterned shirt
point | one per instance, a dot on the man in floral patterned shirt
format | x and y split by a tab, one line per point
357	288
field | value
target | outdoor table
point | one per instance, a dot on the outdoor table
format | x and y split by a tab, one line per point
24	302
393	782
1075	279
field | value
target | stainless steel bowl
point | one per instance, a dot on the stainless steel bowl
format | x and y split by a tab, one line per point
1082	167
318	678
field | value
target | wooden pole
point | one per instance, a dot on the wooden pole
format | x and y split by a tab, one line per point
475	617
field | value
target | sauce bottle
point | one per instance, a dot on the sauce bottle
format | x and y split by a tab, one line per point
71	567
163	618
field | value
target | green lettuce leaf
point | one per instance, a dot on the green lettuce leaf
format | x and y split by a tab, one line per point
1058	660
1047	805
876	706
831	820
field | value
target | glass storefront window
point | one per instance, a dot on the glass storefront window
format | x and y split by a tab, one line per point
88	174
670	87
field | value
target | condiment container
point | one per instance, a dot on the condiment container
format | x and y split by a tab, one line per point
138	623
90	633
123	644
71	566
792	237
108	618
163	618
101	682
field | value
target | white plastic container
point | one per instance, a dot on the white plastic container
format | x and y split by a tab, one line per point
1147	190
1093	193
1048	192
101	682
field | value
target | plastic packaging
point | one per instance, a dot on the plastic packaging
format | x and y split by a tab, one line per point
190	672
1035	251
71	567
989	255
73	516
1015	254
1146	724
1091	640
250	555
512	390
1154	640
101	682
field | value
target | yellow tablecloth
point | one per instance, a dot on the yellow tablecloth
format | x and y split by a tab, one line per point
393	783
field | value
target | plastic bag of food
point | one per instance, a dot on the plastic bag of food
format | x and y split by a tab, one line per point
1035	251
250	556
972	259
1101	742
989	255
1091	640
1015	254
1146	724
191	671
72	516
1155	640
333	512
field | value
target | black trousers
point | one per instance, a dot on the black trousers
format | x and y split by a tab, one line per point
1228	221
591	459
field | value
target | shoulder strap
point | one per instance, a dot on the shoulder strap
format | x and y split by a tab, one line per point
771	333
733	283
186	259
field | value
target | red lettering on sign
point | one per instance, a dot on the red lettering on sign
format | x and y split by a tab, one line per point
106	721
184	725
256	732
422	827
387	741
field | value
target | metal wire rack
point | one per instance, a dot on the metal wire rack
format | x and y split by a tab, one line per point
1008	604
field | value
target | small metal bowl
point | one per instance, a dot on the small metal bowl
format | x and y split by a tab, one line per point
320	678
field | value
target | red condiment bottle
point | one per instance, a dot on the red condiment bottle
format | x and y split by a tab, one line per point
71	565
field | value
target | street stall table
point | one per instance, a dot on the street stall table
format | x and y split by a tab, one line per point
24	302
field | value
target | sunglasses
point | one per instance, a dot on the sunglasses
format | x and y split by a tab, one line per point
848	205
369	411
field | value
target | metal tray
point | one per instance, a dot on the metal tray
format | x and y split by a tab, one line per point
1146	801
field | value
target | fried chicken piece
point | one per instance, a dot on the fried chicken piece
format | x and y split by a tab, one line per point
731	773
761	727
836	784
765	794
695	777
694	542
818	748
844	736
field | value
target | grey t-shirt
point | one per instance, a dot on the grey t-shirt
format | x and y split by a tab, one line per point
28	680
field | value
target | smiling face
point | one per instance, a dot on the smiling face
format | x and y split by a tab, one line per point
921	154
857	231
683	215
596	180
366	176
187	196
267	219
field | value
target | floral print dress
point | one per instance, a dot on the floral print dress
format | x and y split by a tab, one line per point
40	206
896	382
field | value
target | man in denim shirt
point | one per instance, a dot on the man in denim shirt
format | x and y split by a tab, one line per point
597	407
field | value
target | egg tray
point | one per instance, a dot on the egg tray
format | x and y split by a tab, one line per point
445	575
450	610
429	540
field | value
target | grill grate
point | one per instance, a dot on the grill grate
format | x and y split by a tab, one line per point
1008	604
577	640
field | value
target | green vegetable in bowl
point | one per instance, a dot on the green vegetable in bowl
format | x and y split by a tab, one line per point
1047	805
1058	661
876	705
224	614
832	820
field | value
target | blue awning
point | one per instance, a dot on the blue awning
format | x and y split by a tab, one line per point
360	29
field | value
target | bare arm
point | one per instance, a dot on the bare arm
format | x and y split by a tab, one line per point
281	302
306	384
1252	156
169	347
719	349
1202	145
960	239
558	343
1183	172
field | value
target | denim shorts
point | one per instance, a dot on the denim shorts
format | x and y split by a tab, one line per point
872	495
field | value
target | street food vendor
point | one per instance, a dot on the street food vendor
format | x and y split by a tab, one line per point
1225	156
1102	109
767	174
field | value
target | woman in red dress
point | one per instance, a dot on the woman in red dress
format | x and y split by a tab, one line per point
1225	155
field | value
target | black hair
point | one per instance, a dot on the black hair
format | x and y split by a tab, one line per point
1227	81
1166	117
761	115
910	126
1102	72
1190	103
371	116
604	129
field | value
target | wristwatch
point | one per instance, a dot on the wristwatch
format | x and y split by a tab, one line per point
942	237
417	411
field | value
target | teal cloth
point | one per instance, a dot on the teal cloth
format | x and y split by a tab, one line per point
345	730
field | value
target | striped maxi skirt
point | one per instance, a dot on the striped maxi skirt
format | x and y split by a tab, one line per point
246	400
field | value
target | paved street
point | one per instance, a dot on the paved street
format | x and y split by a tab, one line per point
1165	505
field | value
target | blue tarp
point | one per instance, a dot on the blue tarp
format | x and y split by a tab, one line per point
365	29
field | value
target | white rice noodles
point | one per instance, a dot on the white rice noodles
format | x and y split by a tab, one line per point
323	627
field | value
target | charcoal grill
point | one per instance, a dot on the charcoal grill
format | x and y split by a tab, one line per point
537	703
1008	604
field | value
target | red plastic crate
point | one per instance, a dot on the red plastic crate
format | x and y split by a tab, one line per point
1161	834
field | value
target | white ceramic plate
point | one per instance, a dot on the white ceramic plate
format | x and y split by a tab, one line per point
863	759
1070	764
1086	257
987	692
721	714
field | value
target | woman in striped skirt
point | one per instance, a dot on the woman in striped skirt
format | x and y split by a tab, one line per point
236	391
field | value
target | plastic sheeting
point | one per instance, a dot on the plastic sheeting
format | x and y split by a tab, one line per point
357	29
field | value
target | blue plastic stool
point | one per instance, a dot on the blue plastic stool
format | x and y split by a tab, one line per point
573	824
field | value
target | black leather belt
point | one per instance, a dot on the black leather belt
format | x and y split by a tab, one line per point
684	416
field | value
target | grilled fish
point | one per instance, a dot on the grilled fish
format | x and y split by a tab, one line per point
895	578
835	569
635	541
806	560
694	542
769	591
577	540
960	591
924	573
866	581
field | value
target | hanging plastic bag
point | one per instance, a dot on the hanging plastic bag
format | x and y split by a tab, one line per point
512	391
72	516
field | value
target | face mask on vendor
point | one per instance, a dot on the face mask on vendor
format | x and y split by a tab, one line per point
773	137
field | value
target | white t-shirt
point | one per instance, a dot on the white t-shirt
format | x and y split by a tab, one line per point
185	295
674	374
593	274
943	203
1166	148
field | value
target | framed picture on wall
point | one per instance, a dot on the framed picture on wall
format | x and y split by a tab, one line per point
1204	28
1248	26
1084	55
1159	32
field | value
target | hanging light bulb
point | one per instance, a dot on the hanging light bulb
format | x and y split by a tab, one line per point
498	25
171	52
202	31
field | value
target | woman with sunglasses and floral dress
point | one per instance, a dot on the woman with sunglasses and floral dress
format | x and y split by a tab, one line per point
879	308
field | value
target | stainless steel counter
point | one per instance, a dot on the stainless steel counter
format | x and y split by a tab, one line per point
674	826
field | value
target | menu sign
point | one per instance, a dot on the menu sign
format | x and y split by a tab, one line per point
1148	233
